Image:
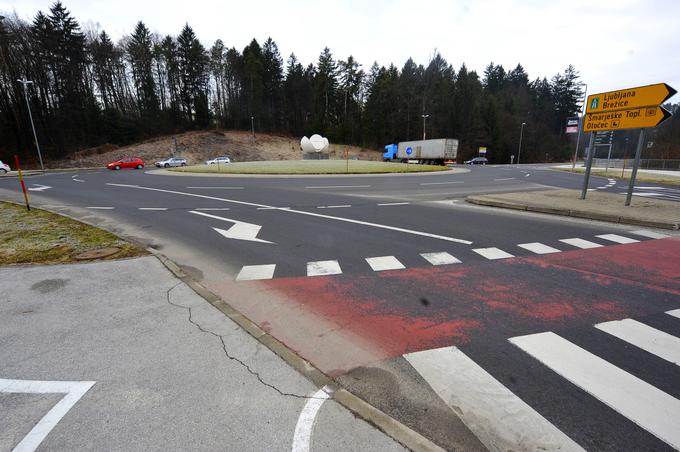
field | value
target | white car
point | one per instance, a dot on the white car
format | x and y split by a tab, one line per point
172	161
4	168
218	160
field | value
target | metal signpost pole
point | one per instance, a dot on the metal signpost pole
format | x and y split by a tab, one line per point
580	127
609	155
586	179
519	150
30	115
638	153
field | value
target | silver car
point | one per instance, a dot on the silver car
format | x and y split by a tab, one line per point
4	168
218	160
172	161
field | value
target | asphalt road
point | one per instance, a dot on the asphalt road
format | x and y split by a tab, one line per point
392	284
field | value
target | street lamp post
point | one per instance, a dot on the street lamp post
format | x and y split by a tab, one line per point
424	119
580	124
30	115
252	126
519	150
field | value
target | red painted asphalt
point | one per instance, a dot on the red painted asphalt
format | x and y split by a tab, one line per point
420	308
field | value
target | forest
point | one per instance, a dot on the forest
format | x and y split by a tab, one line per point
88	90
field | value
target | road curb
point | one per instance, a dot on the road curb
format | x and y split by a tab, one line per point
484	201
167	172
396	430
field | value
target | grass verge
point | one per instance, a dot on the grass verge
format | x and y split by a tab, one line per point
311	167
41	237
616	174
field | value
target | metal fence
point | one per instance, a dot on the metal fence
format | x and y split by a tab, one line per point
661	164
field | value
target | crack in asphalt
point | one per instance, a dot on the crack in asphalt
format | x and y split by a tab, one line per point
231	357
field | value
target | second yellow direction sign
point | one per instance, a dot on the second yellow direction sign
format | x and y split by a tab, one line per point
641	96
635	118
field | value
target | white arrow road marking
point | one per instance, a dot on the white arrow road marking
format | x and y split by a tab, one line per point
39	187
301	212
239	231
73	391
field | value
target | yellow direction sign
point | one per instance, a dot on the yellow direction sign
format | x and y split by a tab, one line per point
625	99
635	118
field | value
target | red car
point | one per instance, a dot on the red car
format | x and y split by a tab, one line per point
129	162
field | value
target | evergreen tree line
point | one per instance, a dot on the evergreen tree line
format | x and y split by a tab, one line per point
88	90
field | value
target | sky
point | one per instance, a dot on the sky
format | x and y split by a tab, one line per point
614	44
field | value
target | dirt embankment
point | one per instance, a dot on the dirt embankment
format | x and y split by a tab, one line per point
197	147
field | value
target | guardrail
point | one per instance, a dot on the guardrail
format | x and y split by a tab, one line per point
660	164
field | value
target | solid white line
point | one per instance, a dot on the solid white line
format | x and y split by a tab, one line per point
320	268
394	204
272	208
642	403
208	209
338	186
301	212
74	390
580	243
656	342
254	272
649	234
538	248
153	208
504	178
492	253
674	313
440	258
501	420
382	263
616	238
217	188
443	183
303	429
100	208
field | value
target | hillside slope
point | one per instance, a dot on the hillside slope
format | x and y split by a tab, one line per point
199	146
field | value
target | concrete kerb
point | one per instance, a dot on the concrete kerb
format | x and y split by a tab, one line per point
481	200
169	172
396	430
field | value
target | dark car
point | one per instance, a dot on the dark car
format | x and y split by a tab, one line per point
128	162
477	161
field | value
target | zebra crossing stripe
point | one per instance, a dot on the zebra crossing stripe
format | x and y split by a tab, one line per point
492	253
617	238
321	268
255	272
538	248
642	403
382	263
649	234
440	258
580	243
500	419
674	313
657	342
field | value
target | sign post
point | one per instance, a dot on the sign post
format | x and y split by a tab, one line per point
21	180
630	108
586	179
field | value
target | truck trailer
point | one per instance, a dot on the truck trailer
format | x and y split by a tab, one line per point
426	152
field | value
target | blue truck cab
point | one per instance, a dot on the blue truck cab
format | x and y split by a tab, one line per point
390	152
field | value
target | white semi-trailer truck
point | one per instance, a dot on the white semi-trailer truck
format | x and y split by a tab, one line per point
427	152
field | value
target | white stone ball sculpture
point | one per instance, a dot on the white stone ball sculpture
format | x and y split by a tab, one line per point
316	143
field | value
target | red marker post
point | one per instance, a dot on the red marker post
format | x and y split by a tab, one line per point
21	179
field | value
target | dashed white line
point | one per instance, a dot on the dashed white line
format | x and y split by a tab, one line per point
394	204
616	238
217	188
443	183
642	403
322	268
649	234
492	253
77	180
538	248
504	178
209	209
440	258
580	243
334	207
100	208
255	272
303	429
382	263
153	208
337	186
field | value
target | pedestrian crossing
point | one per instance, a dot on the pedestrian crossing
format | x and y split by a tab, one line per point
503	420
439	258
